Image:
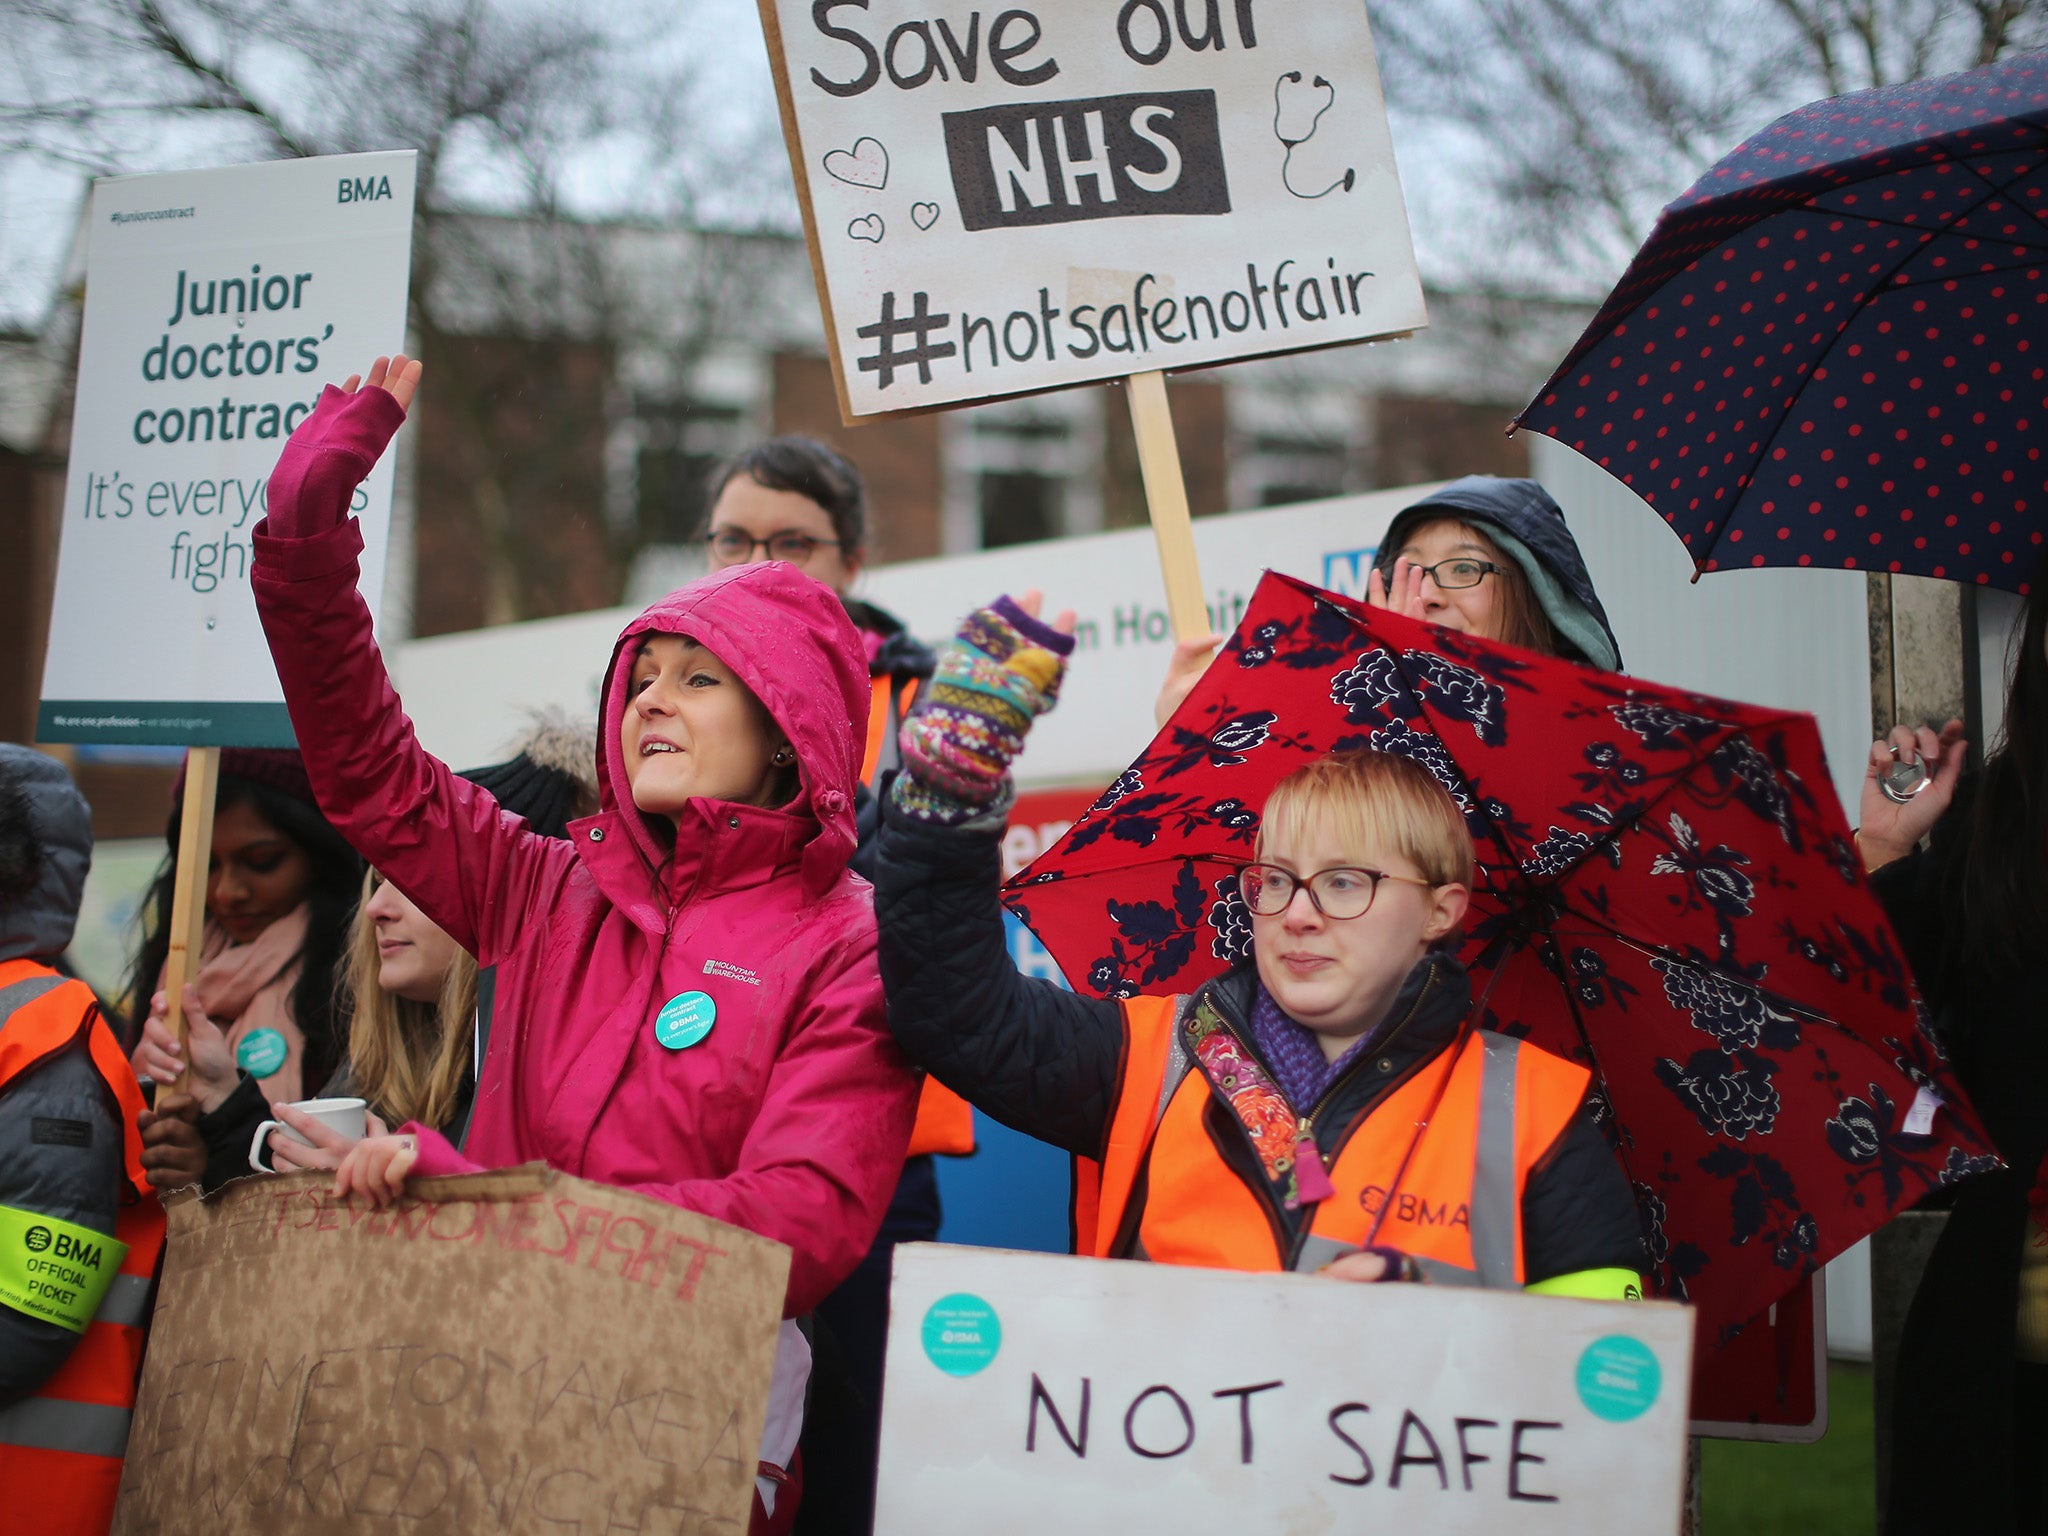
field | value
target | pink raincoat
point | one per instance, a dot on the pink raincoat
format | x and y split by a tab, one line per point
791	1116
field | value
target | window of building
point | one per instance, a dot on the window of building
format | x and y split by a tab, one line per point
680	444
1020	470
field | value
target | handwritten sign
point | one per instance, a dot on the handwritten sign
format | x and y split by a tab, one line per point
1016	199
217	303
507	1351
1028	1393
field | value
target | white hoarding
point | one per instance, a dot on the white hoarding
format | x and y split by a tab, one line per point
1028	1393
1018	199
217	304
466	692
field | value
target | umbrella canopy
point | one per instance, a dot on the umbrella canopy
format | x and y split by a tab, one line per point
1832	349
1667	893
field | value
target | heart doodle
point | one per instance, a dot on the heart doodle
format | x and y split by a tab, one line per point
924	215
868	228
865	165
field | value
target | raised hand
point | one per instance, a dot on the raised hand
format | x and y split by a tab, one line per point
997	675
1403	594
1191	659
1891	830
335	447
398	375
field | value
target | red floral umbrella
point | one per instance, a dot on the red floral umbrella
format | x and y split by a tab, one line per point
1668	893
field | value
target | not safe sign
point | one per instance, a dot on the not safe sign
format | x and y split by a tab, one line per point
1012	199
1032	1393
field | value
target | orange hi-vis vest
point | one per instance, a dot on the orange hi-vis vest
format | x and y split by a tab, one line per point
945	1121
1164	1192
61	1449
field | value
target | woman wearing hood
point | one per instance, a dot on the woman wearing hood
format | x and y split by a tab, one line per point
656	1028
1484	555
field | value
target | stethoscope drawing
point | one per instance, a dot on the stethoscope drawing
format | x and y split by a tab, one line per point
1287	163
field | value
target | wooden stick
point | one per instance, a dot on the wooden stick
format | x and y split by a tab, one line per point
1166	494
188	891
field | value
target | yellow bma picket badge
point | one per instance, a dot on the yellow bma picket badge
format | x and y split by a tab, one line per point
53	1269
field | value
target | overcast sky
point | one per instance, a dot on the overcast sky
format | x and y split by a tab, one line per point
39	203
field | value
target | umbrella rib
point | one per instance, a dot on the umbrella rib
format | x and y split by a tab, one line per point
1709	967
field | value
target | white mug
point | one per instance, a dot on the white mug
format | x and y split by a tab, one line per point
347	1117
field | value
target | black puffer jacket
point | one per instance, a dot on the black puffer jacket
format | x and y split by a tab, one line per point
1046	1062
61	1151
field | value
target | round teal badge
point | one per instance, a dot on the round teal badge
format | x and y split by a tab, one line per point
1619	1378
261	1052
961	1334
685	1019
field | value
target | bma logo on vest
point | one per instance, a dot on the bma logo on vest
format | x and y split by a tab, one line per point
39	1239
1416	1210
362	189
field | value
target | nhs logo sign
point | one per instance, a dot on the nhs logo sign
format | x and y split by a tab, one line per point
1345	571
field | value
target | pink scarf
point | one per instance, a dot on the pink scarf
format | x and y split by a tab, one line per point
246	989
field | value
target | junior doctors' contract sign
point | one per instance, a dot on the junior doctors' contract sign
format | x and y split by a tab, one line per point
217	304
1010	199
1027	1393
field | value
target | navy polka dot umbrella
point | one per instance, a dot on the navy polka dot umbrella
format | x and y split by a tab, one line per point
1833	349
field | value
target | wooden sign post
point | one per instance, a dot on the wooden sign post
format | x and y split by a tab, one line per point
1166	498
188	888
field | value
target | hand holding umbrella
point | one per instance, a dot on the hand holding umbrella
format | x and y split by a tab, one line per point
1897	814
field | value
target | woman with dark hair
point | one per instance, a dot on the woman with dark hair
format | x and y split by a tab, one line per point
415	1009
1970	1408
281	887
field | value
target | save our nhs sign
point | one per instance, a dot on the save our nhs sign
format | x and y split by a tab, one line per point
1007	200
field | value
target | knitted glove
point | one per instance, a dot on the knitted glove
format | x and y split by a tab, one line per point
999	674
328	456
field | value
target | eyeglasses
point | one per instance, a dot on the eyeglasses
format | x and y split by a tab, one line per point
734	546
1456	575
1342	893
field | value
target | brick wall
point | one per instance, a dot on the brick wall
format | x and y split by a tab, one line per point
1200	430
510	520
898	458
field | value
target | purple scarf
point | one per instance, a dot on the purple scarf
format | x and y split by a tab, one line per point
1295	1054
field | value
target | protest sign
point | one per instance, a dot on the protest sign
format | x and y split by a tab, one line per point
217	304
1029	1393
1007	200
506	1351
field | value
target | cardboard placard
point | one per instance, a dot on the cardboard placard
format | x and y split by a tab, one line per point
1028	1393
508	1351
1012	199
217	304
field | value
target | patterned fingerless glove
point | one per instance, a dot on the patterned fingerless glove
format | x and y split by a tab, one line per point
999	674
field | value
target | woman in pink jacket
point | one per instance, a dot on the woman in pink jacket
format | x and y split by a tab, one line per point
688	1002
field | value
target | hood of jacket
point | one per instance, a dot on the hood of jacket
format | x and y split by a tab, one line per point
790	641
39	925
1537	540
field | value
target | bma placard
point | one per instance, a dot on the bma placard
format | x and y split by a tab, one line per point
1001	201
1029	1393
217	304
